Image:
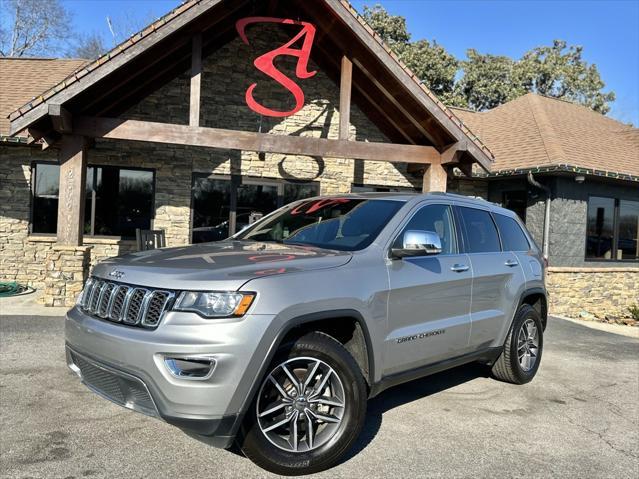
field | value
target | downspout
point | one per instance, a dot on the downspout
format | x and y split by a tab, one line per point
546	189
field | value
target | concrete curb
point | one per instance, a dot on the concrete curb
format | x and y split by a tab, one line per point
27	305
623	330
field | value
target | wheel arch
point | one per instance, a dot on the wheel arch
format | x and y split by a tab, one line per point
538	299
298	326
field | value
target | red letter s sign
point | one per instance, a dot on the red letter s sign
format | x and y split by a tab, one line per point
265	63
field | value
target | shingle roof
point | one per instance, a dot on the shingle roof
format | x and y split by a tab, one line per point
537	132
22	79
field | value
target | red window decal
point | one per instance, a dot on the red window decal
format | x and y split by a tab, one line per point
313	206
265	63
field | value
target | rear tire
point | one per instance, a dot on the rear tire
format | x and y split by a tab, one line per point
309	410
520	359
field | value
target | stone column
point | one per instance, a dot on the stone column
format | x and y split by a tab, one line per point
67	268
67	265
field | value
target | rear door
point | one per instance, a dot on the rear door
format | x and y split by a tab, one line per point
429	299
497	278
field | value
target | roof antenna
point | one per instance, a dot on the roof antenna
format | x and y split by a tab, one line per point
110	25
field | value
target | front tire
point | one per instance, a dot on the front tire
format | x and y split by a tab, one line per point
309	410
519	361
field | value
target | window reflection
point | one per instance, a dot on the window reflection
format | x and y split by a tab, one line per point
600	227
628	242
117	200
220	209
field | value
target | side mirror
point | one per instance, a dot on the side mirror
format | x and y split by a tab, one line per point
418	243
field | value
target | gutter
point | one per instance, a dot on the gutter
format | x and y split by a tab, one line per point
546	189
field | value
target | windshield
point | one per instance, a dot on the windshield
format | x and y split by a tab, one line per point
346	224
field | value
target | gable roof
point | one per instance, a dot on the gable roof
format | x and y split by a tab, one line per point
538	132
431	113
23	79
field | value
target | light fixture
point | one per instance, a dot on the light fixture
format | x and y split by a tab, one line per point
580	178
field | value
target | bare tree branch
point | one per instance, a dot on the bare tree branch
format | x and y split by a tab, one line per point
32	27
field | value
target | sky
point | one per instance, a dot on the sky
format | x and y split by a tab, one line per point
607	29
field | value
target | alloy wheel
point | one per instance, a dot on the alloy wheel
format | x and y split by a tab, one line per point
528	345
301	404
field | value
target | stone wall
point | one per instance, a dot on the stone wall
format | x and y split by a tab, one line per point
598	292
67	268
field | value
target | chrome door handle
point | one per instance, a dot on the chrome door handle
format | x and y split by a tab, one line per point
459	268
511	263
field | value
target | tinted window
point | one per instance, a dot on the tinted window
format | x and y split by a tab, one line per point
481	233
512	237
117	200
215	201
336	223
435	218
45	199
600	229
628	242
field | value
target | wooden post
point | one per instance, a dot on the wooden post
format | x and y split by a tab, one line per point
434	179
196	80
345	87
73	168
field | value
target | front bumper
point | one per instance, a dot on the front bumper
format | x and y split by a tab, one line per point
126	365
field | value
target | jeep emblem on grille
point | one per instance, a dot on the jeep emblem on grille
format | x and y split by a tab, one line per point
116	274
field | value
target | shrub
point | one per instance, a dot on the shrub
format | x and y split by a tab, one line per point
634	311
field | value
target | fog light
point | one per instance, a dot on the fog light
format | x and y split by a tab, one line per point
190	367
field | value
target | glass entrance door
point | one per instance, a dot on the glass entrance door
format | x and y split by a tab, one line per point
222	206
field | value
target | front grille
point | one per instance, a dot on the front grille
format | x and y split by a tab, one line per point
117	386
130	305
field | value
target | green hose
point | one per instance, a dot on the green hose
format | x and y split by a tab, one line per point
10	289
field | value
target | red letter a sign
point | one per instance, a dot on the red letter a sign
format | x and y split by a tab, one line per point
265	63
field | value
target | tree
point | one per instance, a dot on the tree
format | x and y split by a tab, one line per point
392	28
32	27
484	81
433	65
89	47
487	82
428	60
560	71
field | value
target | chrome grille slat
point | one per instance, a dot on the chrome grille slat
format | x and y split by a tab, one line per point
95	296
105	299
131	305
119	301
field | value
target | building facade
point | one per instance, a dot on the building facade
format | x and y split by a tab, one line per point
135	164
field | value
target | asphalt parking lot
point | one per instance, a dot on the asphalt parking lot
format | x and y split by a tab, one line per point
578	418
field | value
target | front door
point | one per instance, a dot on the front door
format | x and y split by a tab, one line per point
221	205
429	299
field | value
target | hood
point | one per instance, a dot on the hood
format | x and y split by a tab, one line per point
225	265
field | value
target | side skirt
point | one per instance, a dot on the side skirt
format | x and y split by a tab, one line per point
488	355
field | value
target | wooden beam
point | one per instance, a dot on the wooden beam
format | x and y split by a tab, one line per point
108	67
49	139
396	103
61	118
345	87
196	80
73	168
453	153
120	129
435	178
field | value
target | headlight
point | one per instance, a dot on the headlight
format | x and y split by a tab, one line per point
214	304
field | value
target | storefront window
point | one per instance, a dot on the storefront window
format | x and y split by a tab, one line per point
612	229
628	239
46	182
117	200
222	207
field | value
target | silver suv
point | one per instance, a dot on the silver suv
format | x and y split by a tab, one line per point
276	337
